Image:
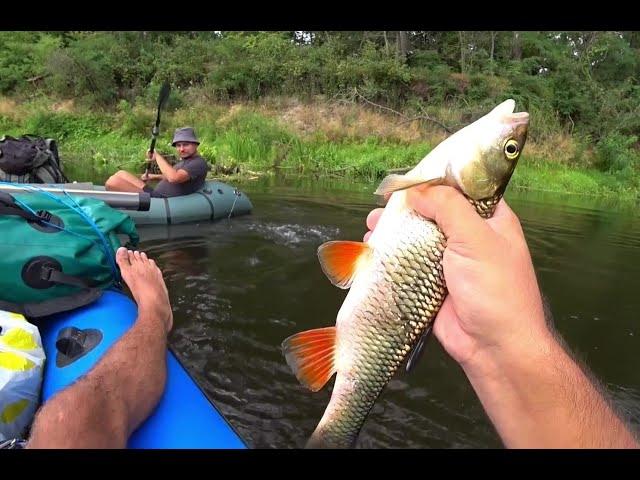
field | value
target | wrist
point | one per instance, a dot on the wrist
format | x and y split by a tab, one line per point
516	385
511	357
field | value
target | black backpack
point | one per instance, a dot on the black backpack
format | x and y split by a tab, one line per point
30	159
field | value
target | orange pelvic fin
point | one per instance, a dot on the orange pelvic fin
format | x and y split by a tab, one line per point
340	260
310	355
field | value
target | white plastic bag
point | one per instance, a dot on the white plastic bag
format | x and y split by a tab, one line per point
21	367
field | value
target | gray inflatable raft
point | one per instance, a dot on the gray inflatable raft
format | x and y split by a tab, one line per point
215	200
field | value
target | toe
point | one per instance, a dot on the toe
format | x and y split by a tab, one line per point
122	258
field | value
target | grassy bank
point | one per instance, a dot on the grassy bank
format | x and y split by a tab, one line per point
280	135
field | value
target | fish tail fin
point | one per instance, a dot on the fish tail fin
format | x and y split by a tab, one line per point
341	259
310	355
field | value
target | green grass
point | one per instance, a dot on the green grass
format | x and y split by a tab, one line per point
546	176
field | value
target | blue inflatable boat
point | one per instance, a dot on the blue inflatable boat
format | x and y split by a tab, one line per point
75	341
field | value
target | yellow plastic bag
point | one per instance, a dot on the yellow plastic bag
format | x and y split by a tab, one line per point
21	367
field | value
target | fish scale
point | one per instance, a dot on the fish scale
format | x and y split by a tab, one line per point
386	334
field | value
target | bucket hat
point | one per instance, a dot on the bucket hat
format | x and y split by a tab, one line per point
185	134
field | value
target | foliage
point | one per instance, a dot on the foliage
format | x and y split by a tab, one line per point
578	84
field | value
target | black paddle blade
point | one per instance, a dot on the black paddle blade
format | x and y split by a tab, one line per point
162	99
165	90
164	95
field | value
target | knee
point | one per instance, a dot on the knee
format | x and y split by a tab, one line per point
112	181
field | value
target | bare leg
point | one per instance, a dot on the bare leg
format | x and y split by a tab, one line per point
104	407
123	181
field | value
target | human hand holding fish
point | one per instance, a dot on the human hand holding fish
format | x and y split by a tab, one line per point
493	323
484	260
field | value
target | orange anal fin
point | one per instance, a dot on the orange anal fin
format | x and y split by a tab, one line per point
310	355
340	260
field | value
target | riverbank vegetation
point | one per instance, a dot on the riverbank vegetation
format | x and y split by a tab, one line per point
347	104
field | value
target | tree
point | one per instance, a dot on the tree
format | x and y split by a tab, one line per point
463	52
516	47
403	46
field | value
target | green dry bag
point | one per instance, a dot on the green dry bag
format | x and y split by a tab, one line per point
57	253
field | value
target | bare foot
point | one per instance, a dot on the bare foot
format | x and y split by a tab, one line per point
144	279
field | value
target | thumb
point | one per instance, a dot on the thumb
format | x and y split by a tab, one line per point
450	210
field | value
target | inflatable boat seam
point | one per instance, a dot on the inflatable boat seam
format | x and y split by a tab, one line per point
210	205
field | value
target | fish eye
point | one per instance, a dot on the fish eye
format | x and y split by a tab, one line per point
511	149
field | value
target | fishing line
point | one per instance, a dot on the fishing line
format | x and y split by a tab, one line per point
237	195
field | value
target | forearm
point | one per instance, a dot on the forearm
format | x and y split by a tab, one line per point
165	167
538	397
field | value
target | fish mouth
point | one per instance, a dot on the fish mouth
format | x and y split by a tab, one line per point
518	119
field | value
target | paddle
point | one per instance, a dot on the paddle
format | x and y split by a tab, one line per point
162	99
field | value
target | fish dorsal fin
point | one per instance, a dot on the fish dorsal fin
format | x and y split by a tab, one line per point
416	353
310	355
341	259
393	183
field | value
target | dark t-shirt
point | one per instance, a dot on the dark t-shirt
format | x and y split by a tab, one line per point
196	167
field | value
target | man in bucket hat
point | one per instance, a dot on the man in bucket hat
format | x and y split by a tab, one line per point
183	178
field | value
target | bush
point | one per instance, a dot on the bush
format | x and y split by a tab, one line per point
63	126
23	58
134	121
615	153
73	76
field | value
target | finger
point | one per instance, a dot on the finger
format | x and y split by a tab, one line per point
505	221
448	208
373	217
366	236
443	319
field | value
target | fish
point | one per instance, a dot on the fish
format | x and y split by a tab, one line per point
395	279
